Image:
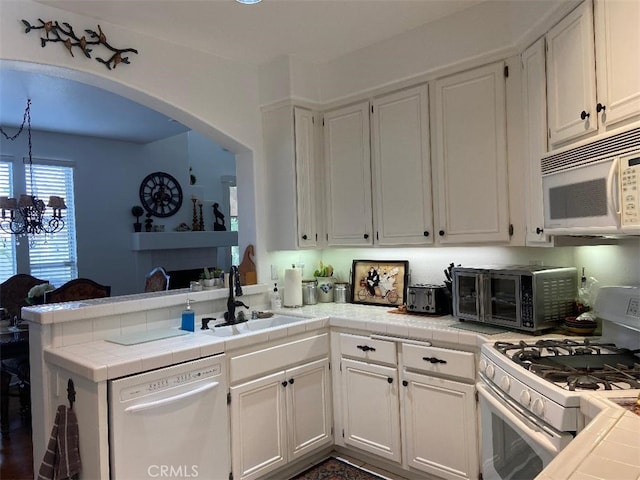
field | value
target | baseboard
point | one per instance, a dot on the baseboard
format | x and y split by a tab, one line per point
298	466
380	463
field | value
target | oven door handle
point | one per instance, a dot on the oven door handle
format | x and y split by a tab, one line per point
540	434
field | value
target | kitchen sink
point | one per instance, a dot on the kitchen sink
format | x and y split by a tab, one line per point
254	325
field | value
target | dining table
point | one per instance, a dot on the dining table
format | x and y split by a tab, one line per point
14	361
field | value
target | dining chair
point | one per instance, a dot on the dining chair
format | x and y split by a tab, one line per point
156	280
14	291
14	354
77	289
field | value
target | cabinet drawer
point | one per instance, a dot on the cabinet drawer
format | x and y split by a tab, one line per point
365	348
439	360
277	357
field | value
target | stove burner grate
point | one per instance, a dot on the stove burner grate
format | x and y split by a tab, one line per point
577	365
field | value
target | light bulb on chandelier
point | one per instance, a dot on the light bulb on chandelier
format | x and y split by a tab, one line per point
27	214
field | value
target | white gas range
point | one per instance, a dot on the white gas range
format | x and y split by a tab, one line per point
530	389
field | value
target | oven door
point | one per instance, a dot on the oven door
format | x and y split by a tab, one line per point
513	445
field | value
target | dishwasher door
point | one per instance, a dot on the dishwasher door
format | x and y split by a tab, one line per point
171	423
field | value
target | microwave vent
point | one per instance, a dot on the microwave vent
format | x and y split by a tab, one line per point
559	296
592	152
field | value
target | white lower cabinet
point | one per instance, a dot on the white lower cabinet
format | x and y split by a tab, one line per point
440	426
283	414
277	418
370	408
409	403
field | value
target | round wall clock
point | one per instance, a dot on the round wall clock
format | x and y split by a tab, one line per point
160	194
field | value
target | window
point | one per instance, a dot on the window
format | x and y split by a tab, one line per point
49	256
53	256
233	222
7	241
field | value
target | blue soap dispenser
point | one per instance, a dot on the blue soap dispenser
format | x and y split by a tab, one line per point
188	318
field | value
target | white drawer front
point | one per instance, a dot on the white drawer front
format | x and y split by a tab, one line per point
365	348
439	360
278	357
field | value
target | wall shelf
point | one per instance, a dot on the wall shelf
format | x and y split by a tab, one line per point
182	240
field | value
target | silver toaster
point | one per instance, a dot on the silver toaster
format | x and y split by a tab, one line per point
432	299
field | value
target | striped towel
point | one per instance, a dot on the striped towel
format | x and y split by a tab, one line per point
62	459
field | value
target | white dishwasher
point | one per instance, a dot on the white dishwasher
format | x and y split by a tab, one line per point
171	423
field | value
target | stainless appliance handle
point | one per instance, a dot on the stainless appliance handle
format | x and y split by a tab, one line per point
481	296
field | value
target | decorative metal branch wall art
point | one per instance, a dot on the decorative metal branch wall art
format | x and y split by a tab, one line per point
56	32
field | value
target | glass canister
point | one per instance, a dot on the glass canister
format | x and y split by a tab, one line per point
309	292
341	292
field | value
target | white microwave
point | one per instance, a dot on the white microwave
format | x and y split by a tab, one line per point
594	189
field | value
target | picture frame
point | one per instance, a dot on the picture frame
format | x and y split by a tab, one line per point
379	282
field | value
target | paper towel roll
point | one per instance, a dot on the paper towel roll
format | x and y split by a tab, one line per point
292	287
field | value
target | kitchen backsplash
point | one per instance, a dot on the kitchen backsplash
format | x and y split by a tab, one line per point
610	264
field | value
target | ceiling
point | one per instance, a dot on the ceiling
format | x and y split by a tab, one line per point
315	31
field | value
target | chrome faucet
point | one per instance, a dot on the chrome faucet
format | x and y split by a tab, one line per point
232	303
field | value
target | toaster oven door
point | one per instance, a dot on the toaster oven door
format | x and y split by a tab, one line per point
502	295
467	288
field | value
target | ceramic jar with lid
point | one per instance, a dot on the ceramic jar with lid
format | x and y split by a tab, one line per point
325	289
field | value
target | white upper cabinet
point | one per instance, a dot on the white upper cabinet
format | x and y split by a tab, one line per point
402	168
348	176
617	29
571	77
470	181
593	74
535	134
306	176
290	149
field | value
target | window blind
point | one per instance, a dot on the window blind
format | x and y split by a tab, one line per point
53	256
7	241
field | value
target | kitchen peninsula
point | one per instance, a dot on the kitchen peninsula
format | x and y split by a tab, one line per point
69	341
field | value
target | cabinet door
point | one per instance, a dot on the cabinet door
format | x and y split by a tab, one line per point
308	407
348	176
402	168
535	131
304	127
258	426
440	424
571	76
470	160
618	59
370	408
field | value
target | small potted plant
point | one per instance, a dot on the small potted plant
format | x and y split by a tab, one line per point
324	277
137	211
208	280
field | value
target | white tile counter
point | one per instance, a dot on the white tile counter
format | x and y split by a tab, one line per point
100	360
607	449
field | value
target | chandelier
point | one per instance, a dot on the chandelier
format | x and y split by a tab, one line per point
26	215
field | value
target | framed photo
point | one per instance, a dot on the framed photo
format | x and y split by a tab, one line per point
379	282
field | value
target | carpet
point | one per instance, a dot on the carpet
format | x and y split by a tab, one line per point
334	469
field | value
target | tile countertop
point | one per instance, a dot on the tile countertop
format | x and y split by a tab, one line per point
608	448
102	360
